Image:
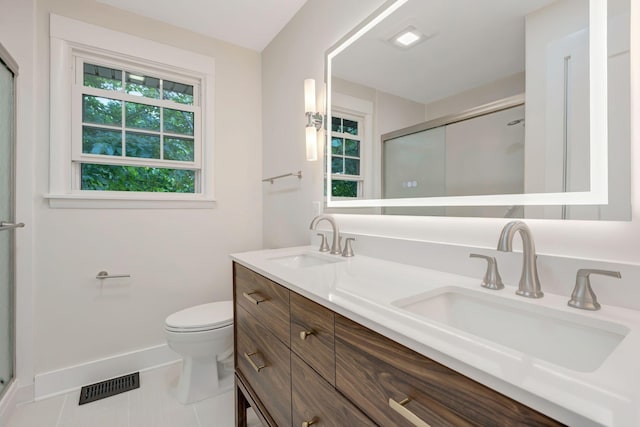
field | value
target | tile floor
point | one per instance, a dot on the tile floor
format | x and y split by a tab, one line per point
151	405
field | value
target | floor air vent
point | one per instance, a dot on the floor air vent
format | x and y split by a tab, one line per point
97	391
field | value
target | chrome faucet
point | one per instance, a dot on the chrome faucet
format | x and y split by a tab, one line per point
529	285
335	246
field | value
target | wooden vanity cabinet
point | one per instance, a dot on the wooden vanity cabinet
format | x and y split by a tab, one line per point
261	335
300	364
317	402
265	363
267	301
391	383
312	335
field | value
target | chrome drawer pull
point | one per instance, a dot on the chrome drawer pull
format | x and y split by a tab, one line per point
252	363
308	423
305	334
252	299
407	414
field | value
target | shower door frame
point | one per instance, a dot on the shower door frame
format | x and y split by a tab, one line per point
8	61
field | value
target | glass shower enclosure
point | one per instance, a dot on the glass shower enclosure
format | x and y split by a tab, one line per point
8	72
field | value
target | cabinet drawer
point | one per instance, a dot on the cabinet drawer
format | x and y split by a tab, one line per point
312	335
265	363
317	402
265	300
372	369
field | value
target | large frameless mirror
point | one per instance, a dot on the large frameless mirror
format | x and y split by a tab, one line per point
510	109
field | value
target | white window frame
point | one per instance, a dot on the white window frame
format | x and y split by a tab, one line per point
73	40
360	120
355	108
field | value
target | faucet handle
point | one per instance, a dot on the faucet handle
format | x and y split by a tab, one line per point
583	296
324	246
348	251
492	279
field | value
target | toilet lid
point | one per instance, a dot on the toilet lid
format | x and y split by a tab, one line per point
202	317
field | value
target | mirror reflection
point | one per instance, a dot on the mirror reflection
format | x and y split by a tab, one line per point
432	102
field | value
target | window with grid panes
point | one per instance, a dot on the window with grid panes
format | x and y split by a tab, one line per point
131	121
346	155
136	130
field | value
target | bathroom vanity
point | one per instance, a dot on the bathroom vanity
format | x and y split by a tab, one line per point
299	363
316	343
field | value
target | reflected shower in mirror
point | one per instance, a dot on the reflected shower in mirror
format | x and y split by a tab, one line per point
495	105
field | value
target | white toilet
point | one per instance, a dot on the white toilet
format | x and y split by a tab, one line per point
203	336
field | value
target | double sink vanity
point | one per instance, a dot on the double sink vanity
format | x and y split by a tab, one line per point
324	339
329	338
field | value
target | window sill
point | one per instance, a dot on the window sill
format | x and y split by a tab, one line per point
128	201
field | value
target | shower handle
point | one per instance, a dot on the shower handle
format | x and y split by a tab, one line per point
4	225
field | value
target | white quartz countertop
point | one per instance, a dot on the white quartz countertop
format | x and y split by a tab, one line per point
365	289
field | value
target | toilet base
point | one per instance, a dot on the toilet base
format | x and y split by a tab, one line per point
200	380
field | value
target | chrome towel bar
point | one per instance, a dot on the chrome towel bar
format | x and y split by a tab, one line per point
273	178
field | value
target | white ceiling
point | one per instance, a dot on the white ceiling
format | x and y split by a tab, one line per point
248	23
472	43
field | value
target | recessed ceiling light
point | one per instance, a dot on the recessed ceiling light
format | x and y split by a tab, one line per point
408	37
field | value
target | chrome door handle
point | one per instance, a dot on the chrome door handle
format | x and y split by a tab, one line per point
10	226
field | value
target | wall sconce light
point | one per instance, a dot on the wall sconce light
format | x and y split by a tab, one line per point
314	119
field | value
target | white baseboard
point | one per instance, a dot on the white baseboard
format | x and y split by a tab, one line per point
15	395
24	393
8	403
64	380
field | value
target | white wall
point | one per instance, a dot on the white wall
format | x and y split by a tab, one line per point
472	98
295	54
177	257
287	216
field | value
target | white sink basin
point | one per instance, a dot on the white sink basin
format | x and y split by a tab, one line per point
576	342
304	260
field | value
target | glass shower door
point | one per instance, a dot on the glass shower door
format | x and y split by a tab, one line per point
7	238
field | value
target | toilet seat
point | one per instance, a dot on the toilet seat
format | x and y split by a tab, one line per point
204	317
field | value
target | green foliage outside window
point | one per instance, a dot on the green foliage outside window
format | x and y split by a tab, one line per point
142	116
135	178
178	149
342	188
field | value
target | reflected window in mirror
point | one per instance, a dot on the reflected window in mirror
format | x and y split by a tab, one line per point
351	148
347	145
